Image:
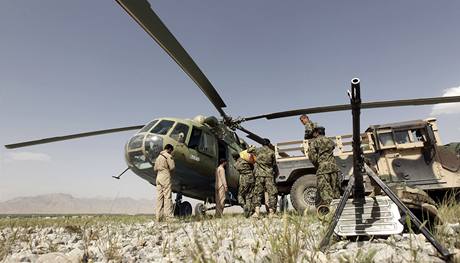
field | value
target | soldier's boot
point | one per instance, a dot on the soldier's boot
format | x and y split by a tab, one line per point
271	213
256	213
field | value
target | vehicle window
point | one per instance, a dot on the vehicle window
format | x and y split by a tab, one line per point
418	135
162	127
386	139
179	133
195	137
207	144
401	137
148	126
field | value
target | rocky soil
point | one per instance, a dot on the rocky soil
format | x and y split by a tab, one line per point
232	238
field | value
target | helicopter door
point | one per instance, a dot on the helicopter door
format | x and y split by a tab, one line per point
202	152
222	150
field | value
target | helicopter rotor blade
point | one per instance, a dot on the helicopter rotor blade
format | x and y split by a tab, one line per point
142	13
365	105
251	135
71	136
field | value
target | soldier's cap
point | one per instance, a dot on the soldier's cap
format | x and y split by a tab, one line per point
266	142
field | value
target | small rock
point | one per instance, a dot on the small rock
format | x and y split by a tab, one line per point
455	227
76	255
53	257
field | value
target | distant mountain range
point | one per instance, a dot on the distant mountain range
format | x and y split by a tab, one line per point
67	204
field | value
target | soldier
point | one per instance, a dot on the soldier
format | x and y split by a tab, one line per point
246	183
221	187
164	167
321	154
309	126
265	178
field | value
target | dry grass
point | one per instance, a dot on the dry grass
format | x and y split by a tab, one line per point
449	212
291	238
70	220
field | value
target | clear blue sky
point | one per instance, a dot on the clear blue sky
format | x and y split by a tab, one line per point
76	66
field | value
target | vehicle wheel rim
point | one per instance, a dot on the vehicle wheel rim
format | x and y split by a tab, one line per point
309	195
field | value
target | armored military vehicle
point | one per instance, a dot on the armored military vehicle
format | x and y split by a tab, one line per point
405	153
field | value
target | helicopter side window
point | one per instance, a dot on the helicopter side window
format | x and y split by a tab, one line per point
207	144
162	127
148	126
179	133
195	137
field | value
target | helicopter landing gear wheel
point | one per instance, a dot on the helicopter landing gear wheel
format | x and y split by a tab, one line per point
186	209
182	209
200	209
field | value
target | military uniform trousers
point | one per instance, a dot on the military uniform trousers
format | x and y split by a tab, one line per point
328	188
245	190
164	195
265	184
220	200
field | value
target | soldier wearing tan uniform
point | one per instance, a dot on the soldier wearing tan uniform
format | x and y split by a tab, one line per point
221	187
164	167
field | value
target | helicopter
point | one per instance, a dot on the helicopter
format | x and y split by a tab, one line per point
200	142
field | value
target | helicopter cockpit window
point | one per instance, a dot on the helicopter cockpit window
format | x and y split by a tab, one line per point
179	133
386	139
162	127
195	137
148	126
402	137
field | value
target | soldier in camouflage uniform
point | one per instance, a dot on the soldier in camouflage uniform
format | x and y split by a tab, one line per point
265	178
309	126
246	184
321	154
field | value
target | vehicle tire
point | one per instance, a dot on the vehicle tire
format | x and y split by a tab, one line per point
186	209
303	193
200	209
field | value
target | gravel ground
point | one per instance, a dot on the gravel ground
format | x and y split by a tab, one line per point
232	238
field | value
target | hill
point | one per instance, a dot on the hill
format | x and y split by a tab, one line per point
67	204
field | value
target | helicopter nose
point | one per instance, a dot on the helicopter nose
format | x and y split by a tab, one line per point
142	150
153	145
